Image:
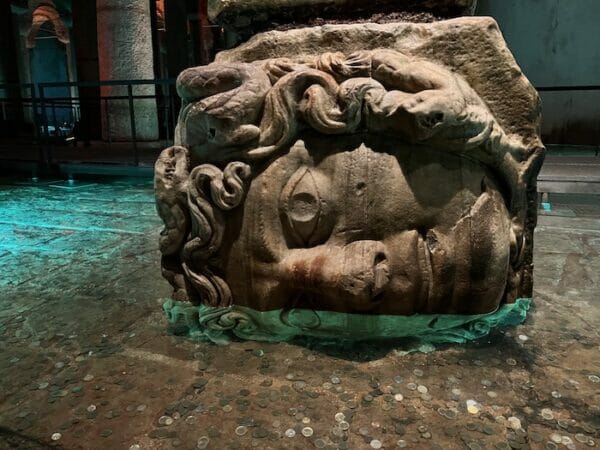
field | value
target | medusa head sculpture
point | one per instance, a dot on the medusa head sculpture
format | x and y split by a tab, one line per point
373	182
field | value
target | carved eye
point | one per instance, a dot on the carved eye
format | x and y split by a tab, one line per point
305	214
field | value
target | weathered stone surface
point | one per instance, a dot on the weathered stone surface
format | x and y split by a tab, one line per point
313	169
472	47
243	18
225	10
125	53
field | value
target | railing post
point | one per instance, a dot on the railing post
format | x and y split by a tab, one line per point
167	116
44	156
107	117
34	110
136	156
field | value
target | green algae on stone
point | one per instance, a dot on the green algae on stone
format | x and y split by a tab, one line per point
220	324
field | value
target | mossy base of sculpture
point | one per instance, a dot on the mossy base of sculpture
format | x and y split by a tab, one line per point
220	325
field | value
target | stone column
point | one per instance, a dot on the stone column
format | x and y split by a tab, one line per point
86	52
125	53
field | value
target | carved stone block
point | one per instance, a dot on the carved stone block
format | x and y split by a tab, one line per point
359	169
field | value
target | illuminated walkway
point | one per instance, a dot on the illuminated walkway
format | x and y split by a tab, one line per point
85	357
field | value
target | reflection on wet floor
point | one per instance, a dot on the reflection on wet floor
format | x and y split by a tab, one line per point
571	205
87	361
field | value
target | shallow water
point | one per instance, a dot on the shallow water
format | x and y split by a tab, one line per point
87	358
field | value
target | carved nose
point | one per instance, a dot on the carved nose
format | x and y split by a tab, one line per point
381	276
364	271
352	277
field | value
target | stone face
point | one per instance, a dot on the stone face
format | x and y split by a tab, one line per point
314	169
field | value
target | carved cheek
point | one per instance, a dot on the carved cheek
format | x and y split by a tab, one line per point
305	210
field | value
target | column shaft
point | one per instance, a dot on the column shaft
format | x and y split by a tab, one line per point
125	53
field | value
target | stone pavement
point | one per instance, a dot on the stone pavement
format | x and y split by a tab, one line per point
87	361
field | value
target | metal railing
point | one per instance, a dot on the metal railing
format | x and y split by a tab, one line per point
33	115
33	124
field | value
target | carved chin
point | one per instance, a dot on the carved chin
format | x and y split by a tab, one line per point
414	230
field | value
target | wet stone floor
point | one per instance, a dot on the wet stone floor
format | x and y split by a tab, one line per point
87	361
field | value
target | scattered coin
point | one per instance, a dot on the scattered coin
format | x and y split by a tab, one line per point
472	407
375	443
202	442
56	436
547	414
514	423
290	432
307	431
165	420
